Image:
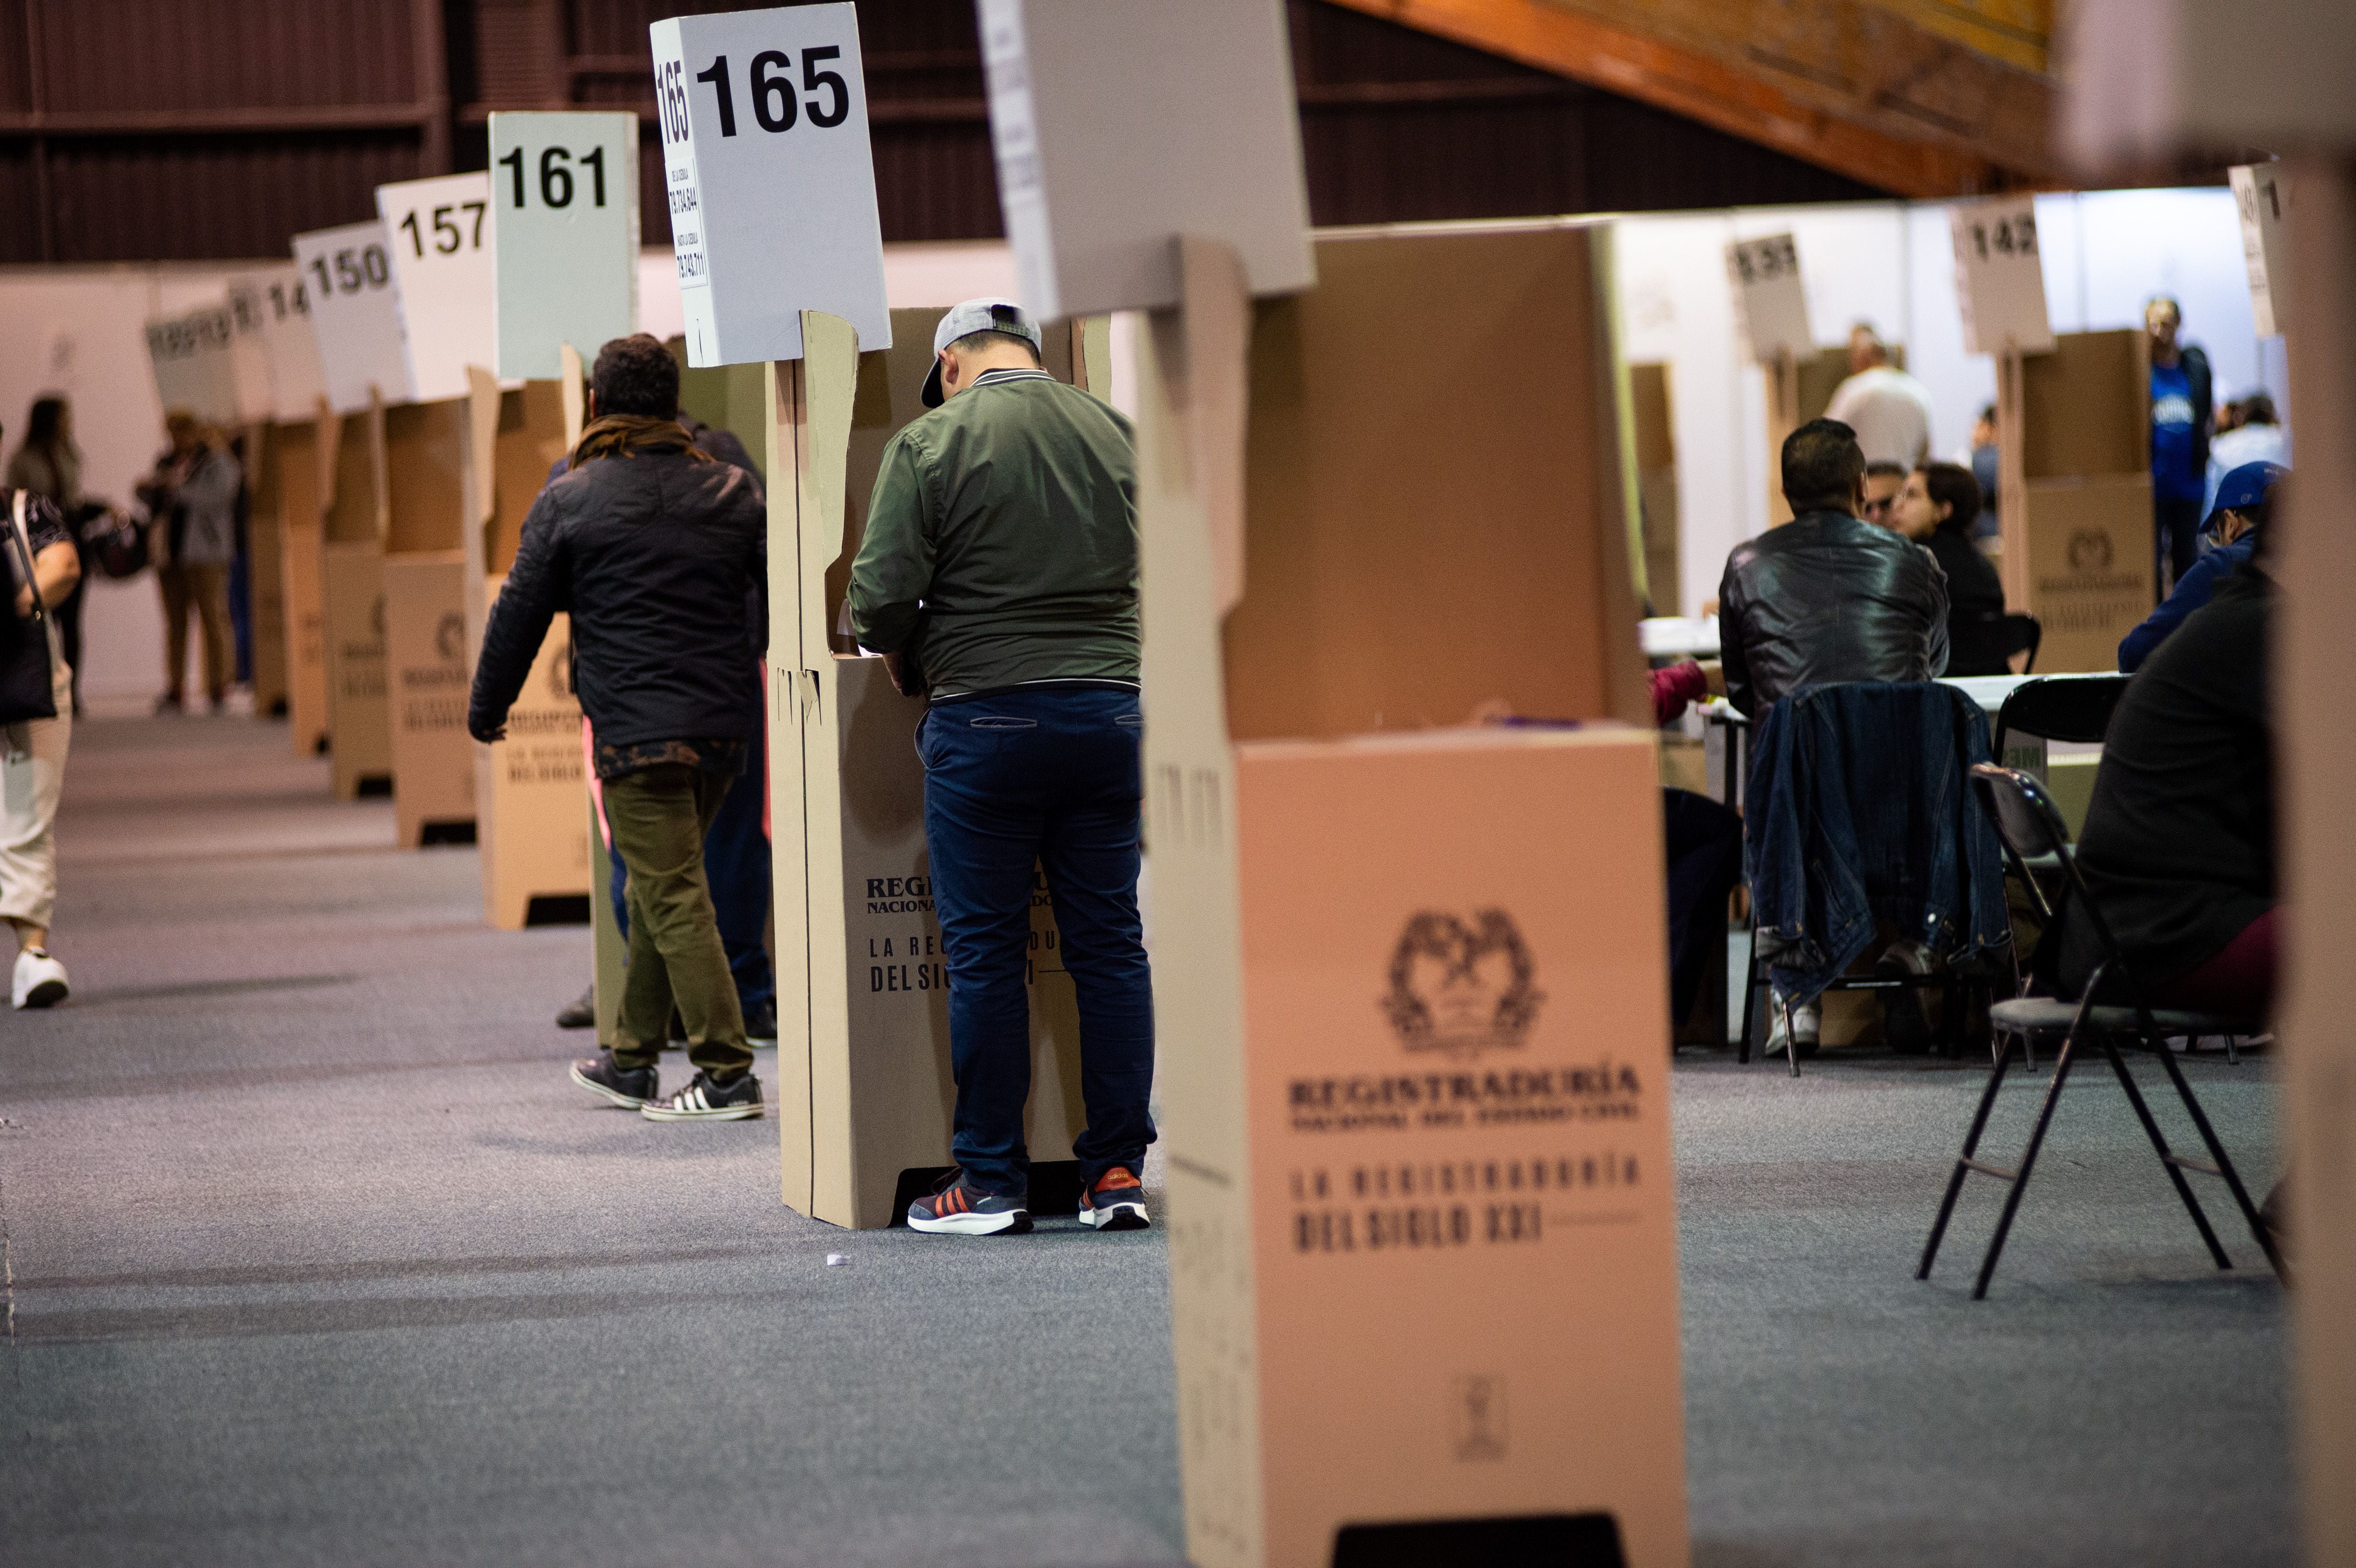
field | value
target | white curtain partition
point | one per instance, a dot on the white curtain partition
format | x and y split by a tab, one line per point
1890	263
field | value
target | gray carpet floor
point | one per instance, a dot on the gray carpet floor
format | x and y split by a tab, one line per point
312	1255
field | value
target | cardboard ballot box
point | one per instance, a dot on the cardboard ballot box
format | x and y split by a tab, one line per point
2074	494
295	455
1418	1127
425	649
266	571
864	1090
359	724
530	789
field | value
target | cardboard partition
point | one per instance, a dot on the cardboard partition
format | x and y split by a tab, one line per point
1653	409
2089	567
530	789
265	570
2086	406
359	718
1382	936
295	456
425	649
864	1090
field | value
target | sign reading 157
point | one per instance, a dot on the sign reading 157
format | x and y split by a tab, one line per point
769	86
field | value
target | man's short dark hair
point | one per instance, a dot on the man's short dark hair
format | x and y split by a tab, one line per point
1885	469
979	342
635	375
1953	484
1822	465
2257	409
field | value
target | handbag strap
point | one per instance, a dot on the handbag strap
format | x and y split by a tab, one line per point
23	540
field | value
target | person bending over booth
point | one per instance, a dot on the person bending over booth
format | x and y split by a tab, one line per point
1828	596
2244	502
999	578
651	546
1936	509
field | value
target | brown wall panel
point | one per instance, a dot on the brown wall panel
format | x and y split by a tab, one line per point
151	55
195	197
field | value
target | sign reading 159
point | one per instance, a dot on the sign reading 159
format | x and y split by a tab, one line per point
769	85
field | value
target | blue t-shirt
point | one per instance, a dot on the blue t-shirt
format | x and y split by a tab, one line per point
2173	477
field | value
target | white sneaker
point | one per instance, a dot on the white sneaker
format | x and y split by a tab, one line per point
41	979
1807	1022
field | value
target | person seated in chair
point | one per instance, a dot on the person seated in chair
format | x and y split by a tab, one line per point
1828	596
2245	500
1936	508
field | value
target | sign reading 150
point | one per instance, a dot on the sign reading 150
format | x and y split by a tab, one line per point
356	268
769	83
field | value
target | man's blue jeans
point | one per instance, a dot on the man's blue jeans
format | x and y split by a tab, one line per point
736	866
1052	778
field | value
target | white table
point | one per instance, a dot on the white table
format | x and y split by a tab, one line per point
1678	637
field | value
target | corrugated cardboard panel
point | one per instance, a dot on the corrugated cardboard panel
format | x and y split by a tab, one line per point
360	722
424	486
266	570
352	509
296	452
1433	497
531	788
425	662
2089	567
1464	1219
2087	407
531	438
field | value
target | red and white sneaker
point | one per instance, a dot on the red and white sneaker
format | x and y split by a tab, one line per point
1116	1201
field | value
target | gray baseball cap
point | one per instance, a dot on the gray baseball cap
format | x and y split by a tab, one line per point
978	316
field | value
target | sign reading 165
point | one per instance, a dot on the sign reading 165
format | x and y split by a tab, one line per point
769	83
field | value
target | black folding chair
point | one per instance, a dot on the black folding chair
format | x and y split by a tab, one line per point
2072	708
1985	644
2030	826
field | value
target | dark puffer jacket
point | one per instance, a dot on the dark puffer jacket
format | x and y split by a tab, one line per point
1828	598
653	557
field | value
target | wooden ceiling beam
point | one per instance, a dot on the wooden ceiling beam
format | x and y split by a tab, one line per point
1897	107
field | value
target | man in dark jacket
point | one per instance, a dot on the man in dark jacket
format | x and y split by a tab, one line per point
1936	508
651	547
2182	407
1828	596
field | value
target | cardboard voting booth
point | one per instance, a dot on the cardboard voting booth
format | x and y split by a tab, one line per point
530	788
301	453
425	643
2075	493
1422	1222
359	723
1653	412
864	1093
266	581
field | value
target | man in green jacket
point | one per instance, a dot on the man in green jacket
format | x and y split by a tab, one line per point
998	577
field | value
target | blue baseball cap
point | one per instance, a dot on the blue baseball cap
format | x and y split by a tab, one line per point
972	316
2247	485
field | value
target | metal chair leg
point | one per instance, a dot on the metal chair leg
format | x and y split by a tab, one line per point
2233	1178
1750	996
2019	1183
1791	1032
2232	1056
1964	1161
2168	1156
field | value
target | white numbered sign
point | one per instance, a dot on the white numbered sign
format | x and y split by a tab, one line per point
194	370
439	232
248	353
348	276
2263	195
565	214
2000	277
280	302
770	180
1765	274
1118	126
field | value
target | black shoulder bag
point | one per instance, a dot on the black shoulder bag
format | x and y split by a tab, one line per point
27	684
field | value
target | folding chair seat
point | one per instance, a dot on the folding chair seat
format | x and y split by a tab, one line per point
2031	827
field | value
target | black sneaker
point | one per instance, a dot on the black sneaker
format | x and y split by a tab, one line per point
761	1027
705	1100
632	1087
1116	1201
581	1014
954	1208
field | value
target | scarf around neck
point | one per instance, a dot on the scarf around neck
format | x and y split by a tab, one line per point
629	434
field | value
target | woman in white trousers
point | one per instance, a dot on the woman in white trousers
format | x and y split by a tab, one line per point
33	759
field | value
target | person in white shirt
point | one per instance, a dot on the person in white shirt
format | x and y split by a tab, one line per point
2256	437
1889	410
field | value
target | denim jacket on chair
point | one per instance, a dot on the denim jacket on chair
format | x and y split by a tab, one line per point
1859	810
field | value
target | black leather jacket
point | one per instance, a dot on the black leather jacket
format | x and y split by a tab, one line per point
1825	597
653	556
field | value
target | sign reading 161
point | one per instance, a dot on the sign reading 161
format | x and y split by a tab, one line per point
769	87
